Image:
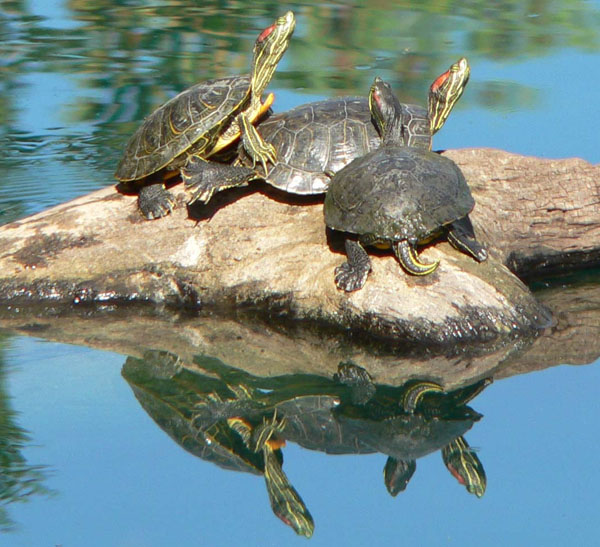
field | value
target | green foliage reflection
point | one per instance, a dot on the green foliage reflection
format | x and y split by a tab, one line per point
18	479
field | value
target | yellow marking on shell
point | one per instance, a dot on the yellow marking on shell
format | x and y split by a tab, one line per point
264	108
206	105
174	130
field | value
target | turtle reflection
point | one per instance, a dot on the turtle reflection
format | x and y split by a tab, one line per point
240	421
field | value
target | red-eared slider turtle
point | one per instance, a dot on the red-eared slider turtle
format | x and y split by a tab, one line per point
200	121
285	501
397	196
458	457
315	140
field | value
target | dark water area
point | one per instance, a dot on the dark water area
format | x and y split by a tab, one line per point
112	434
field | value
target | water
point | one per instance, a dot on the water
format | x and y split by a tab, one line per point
76	78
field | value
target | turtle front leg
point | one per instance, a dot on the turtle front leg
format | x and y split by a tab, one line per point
204	178
352	275
406	253
155	201
255	145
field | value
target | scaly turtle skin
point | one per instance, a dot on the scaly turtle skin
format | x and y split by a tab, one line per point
201	121
465	466
397	196
285	500
314	141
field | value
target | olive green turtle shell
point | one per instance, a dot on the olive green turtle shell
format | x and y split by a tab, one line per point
315	140
397	193
189	122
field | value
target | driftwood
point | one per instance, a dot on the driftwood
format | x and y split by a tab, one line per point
261	248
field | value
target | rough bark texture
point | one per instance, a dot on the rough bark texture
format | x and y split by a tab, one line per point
539	216
257	247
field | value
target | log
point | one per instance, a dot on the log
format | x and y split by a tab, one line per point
538	216
264	249
267	348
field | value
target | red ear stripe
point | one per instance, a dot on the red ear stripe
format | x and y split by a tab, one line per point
266	33
439	81
377	98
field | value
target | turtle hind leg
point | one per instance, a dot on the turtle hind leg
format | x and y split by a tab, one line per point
352	275
462	237
406	253
204	178
155	201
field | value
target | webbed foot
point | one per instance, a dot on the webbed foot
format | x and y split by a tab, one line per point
154	201
462	237
352	275
205	178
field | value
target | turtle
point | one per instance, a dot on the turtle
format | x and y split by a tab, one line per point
224	423
397	196
199	122
313	141
286	503
458	457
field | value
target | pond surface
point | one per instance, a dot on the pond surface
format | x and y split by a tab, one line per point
90	465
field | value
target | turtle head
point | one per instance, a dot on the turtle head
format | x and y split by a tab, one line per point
269	47
386	111
445	90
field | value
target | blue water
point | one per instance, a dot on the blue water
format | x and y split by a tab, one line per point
121	481
118	479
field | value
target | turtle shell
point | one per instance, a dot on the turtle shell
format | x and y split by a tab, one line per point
315	140
192	120
397	193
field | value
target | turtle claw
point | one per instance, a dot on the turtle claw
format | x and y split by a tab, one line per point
154	201
205	178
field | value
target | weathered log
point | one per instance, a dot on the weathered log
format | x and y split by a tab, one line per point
538	216
258	247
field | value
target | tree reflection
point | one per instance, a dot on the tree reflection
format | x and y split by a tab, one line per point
18	479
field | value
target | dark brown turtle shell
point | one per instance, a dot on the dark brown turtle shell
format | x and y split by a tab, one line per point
397	193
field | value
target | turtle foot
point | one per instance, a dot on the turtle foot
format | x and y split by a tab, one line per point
154	201
205	178
348	278
352	275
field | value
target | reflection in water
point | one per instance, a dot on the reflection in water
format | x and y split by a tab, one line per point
241	422
18	479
